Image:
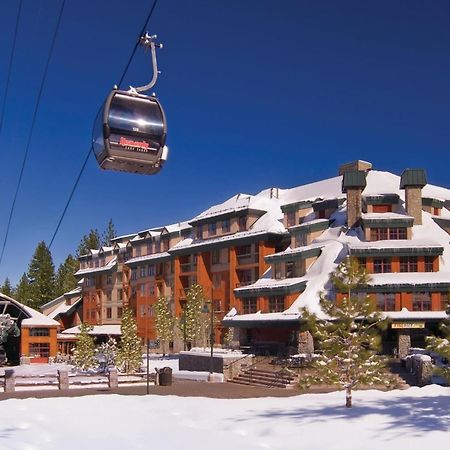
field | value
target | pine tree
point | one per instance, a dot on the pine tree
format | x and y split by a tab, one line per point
41	274
108	350
23	290
192	321
228	338
441	346
7	288
85	348
65	278
129	354
164	322
109	234
89	241
348	339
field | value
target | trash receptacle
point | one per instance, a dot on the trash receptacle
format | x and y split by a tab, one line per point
165	376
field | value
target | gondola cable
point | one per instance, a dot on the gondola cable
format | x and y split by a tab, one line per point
11	58
90	149
30	134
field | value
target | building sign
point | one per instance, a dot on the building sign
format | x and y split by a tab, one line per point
407	325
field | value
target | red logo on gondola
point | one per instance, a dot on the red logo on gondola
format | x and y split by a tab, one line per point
135	144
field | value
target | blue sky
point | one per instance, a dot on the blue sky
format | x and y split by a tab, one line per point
257	94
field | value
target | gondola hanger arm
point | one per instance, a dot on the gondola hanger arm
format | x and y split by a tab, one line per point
148	41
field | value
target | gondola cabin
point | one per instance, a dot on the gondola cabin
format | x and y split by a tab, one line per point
130	134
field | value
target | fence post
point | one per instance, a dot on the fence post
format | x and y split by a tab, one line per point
10	380
113	378
63	379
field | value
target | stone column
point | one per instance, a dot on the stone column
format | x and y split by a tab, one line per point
404	342
113	378
305	342
63	379
10	380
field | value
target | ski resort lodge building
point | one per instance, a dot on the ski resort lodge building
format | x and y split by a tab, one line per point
260	258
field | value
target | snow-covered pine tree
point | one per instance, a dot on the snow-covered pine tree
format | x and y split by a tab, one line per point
442	347
108	350
228	338
164	322
129	354
349	338
191	323
85	349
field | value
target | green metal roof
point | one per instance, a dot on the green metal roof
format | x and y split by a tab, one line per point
433	202
399	251
296	206
407	287
381	199
353	179
413	178
388	222
291	256
285	323
328	204
309	227
272	290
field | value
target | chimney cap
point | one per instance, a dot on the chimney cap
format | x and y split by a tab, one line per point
359	164
413	178
354	179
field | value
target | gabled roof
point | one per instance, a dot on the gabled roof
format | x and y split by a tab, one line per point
110	265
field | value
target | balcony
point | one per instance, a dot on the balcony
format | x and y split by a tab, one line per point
188	267
244	283
247	258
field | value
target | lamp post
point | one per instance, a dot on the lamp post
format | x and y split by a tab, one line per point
211	338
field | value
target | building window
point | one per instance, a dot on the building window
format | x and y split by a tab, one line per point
142	271
301	240
378	234
39	332
217	280
142	289
119	312
242	223
120	295
445	301
134	274
322	214
290	218
158	247
199	233
289	269
382	208
39	349
277	270
109	279
217	305
119	277
212	229
362	262
138	250
215	257
151	289
385	301
421	301
108	313
108	296
429	263
276	303
408	264
382	265
226	226
249	305
151	270
397	233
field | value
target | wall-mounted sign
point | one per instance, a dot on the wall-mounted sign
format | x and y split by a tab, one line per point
407	325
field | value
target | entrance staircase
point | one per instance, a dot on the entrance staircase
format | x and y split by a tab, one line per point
264	374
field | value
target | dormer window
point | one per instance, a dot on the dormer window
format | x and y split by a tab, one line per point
212	229
290	218
242	222
226	226
138	250
199	233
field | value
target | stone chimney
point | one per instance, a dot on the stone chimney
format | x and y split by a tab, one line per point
353	183
355	165
412	181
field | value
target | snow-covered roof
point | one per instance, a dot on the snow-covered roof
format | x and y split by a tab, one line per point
146	258
386	216
96	330
63	308
104	268
37	319
409	278
405	314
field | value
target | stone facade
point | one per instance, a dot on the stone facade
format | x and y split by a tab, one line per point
354	205
305	342
413	197
404	343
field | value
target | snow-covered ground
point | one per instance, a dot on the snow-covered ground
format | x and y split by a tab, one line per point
416	418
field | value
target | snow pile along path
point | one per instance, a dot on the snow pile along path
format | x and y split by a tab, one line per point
414	419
